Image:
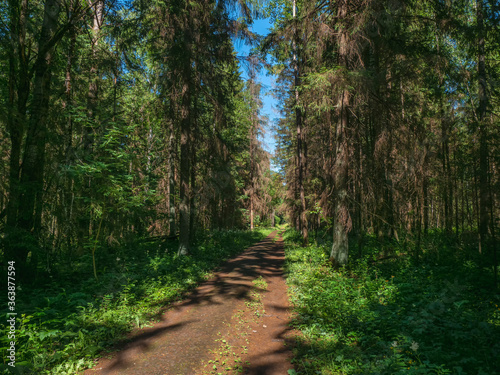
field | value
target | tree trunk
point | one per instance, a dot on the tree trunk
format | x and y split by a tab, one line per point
88	129
301	146
483	141
185	162
447	198
252	161
342	220
251	212
17	103
192	187
32	177
425	202
477	211
172	228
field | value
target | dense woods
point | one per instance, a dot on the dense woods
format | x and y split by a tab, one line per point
124	120
390	119
132	160
388	144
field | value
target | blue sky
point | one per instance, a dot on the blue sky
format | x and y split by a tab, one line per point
262	27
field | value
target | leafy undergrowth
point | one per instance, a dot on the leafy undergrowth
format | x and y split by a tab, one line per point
393	316
65	324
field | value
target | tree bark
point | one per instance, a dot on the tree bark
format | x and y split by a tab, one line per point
32	177
185	169
484	199
301	145
252	136
185	127
192	186
172	228
342	220
19	89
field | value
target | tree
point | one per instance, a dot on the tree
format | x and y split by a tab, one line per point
393	117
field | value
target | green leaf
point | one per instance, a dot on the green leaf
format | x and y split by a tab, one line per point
49	333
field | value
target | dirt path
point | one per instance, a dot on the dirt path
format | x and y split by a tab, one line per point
231	324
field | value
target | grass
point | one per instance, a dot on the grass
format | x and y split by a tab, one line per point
255	301
66	323
395	316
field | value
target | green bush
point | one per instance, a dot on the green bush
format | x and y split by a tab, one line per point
391	316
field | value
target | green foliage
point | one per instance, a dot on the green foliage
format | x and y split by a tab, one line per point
392	316
67	323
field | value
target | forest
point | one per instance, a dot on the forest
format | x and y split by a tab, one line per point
133	163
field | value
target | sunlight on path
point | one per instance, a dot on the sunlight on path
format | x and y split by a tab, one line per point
187	333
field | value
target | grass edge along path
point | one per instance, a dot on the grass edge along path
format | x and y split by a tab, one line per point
63	328
391	317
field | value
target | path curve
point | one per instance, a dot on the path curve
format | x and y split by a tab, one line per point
185	339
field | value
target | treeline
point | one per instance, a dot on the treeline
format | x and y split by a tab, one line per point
122	120
390	118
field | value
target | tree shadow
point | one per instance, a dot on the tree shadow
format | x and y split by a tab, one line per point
231	283
273	361
141	342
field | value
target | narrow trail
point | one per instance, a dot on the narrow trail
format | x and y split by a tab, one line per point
227	321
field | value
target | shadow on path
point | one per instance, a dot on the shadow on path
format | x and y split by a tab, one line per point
270	347
187	332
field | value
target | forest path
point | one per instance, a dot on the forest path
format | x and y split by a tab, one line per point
231	324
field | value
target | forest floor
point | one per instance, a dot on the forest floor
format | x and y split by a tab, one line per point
237	322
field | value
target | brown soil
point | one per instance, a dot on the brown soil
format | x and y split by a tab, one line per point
231	324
